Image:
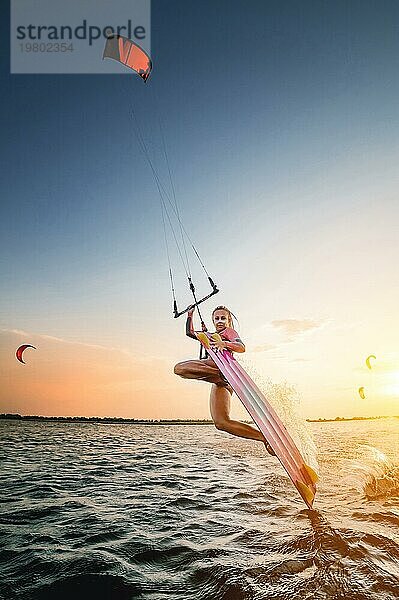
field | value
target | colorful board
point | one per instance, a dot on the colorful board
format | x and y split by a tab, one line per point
266	419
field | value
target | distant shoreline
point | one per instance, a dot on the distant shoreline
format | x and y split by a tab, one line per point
17	417
339	419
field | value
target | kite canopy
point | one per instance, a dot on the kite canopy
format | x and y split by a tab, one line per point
21	350
361	393
128	53
368	360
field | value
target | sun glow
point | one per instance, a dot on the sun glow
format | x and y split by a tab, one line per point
391	387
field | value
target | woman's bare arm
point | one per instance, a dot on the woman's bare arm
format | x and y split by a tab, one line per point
189	325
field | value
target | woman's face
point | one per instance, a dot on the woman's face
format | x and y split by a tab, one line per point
220	319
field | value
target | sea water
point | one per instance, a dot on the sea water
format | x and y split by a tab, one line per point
188	512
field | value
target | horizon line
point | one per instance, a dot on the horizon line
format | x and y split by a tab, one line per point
178	421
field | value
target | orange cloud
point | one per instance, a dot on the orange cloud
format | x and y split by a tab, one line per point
295	327
263	348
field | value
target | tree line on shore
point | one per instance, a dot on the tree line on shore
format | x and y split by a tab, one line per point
18	417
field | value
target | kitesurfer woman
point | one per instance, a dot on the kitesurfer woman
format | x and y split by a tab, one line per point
205	369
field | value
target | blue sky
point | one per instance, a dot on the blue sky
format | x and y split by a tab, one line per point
281	122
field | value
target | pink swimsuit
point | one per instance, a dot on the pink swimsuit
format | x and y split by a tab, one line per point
229	335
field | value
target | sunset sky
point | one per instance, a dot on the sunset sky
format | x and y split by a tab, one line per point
282	124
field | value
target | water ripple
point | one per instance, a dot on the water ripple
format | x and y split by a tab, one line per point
163	513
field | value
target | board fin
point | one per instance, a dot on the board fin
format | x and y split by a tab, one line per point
313	476
305	492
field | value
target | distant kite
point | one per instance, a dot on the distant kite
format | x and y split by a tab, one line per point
128	53
20	351
368	360
361	393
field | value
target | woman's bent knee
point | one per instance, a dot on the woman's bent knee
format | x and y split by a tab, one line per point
221	424
179	369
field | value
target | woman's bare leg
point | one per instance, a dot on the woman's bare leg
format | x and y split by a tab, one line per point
220	412
204	370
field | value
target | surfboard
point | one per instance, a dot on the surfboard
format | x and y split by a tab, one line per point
265	418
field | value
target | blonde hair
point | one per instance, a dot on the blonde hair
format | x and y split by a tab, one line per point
229	313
